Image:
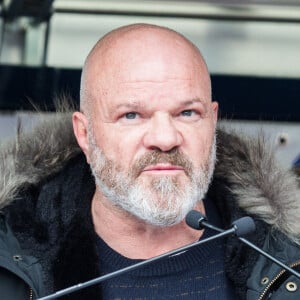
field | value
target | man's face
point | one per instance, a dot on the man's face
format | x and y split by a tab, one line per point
151	134
163	200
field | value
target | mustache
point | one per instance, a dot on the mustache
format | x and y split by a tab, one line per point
174	157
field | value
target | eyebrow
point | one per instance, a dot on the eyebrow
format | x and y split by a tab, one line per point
136	105
133	105
192	101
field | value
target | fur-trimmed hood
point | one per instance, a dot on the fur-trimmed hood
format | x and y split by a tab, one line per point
260	186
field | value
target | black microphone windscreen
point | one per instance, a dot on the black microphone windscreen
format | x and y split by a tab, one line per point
194	219
244	226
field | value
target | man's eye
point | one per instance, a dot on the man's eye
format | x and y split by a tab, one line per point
187	113
131	115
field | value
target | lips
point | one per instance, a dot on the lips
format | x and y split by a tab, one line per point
163	167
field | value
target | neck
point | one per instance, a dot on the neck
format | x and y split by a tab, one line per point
134	238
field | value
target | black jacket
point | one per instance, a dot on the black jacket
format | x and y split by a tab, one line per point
47	240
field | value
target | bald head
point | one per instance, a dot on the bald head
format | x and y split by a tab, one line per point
155	50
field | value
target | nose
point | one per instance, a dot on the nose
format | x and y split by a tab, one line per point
162	133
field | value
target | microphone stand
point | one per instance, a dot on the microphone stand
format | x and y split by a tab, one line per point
79	286
201	223
270	257
265	254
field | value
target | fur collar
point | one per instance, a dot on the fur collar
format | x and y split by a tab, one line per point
248	167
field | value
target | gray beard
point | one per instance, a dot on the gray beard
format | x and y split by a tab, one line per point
164	202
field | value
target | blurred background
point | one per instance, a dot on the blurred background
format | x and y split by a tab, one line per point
252	49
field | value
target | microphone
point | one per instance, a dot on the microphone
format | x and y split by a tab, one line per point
198	221
239	227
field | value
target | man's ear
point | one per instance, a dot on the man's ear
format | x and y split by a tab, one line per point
80	127
215	108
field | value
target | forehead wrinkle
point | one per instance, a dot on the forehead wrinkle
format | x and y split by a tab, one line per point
157	80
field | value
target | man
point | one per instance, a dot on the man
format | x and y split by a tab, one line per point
147	133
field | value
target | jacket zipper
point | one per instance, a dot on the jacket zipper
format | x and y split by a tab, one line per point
30	293
262	296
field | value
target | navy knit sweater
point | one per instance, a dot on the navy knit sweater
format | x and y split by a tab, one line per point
195	274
